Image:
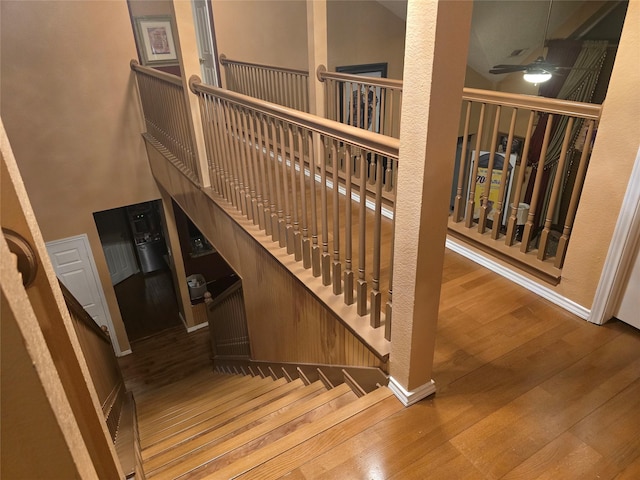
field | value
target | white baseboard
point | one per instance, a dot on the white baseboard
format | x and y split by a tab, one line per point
520	279
197	327
409	398
125	353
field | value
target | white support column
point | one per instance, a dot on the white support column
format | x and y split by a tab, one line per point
317	48
434	69
187	47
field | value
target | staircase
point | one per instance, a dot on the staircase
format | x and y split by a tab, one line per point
226	424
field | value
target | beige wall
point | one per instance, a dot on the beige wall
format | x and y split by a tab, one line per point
70	109
612	160
268	32
365	32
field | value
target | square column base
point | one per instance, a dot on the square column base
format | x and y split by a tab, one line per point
408	398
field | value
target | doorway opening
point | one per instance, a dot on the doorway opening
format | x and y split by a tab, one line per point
135	249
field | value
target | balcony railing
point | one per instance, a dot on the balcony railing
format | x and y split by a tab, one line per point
517	190
284	86
166	115
270	162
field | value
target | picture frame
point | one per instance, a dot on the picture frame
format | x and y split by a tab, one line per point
154	37
371	101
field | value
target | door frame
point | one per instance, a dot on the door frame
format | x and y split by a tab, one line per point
620	252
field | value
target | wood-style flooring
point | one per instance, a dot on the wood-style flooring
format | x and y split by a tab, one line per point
147	304
525	390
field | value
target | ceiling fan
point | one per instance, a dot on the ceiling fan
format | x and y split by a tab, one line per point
539	70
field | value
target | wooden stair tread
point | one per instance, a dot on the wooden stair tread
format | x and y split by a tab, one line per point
152	393
218	419
189	462
308	441
203	407
277	433
169	407
203	439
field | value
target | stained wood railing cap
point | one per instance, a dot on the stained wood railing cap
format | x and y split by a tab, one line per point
355	136
224	60
392	83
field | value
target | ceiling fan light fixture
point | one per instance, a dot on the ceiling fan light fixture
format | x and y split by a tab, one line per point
536	76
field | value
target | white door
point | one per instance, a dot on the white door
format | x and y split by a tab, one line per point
629	309
116	244
204	38
73	263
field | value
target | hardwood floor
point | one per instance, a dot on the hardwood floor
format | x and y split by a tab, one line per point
525	390
147	303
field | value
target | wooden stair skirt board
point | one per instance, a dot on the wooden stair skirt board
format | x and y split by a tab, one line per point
127	441
361	379
261	426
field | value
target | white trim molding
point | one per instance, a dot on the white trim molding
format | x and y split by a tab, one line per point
408	398
621	250
520	279
125	353
197	327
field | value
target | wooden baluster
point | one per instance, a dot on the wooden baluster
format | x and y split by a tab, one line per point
529	227
511	224
471	202
295	236
337	266
254	174
244	179
497	216
392	116
555	191
575	196
287	233
269	201
365	110
348	240
220	141
263	204
230	155
326	258
458	203
315	248
380	100
306	244
388	316
484	207
361	290
236	160
249	145
228	160
376	296
279	228
213	157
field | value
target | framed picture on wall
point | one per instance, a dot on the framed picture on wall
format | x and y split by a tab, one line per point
359	105
154	37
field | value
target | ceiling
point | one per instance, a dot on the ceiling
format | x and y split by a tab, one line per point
500	27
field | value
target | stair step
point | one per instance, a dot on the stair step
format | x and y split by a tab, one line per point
218	419
186	463
151	394
287	453
168	408
204	440
201	407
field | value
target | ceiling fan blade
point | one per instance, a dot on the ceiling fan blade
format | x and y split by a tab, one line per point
507	69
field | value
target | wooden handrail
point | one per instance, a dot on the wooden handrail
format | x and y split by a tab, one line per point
152	72
356	136
81	314
323	75
531	102
213	302
227	61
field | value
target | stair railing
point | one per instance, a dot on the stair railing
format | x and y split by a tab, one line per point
284	86
118	406
166	116
228	323
270	163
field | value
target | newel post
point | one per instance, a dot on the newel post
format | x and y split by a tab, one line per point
434	69
317	52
